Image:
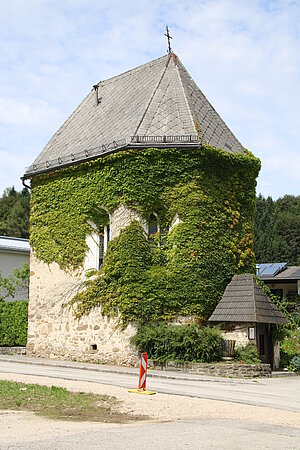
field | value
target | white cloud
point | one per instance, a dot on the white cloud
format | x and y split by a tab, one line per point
34	114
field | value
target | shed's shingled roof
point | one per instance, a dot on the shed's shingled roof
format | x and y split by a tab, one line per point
244	301
156	104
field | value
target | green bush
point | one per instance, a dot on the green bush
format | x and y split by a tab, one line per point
247	354
179	342
295	364
13	323
291	343
289	347
285	359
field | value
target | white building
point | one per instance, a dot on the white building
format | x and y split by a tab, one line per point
283	280
14	252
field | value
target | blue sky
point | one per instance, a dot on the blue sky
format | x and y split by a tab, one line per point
243	54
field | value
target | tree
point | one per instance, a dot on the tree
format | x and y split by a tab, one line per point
16	284
14	213
277	230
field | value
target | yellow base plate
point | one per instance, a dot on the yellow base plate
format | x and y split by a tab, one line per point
141	391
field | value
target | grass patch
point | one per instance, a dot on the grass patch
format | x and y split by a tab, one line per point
59	403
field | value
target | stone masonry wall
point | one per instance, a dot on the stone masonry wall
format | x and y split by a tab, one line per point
53	332
239	334
12	350
52	329
218	369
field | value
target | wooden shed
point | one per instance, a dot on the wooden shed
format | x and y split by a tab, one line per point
248	316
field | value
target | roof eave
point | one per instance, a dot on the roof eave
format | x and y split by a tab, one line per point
274	321
281	279
14	250
134	145
30	174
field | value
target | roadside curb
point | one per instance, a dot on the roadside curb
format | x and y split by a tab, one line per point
133	371
283	374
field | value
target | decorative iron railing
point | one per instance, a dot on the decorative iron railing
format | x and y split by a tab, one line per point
182	139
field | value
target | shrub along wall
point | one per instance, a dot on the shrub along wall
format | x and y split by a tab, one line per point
182	273
13	323
179	343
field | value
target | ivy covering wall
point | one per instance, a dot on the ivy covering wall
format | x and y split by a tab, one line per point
182	273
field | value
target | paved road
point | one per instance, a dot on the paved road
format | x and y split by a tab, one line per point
216	434
27	432
281	393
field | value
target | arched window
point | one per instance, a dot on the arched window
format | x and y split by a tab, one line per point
153	224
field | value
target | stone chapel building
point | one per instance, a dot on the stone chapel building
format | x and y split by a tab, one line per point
146	184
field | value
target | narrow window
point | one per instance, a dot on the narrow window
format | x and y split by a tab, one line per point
261	344
153	225
97	239
103	241
101	247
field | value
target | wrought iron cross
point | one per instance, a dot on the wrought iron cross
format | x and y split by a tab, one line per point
167	34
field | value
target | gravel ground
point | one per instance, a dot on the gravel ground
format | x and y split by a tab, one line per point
159	407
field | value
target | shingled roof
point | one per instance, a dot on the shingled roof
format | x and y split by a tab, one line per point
244	301
154	105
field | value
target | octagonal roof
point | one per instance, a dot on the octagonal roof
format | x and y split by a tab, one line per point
154	105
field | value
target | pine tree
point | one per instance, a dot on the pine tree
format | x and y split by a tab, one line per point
277	230
14	213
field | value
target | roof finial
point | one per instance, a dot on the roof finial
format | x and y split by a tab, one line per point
167	34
